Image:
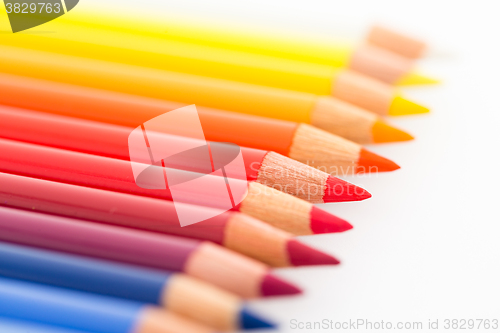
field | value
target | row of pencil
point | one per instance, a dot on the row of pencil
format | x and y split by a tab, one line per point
83	248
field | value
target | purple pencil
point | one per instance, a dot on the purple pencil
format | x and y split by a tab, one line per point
204	260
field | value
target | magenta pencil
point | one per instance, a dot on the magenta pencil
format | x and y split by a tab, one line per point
204	260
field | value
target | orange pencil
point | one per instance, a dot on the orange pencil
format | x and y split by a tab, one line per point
332	115
302	142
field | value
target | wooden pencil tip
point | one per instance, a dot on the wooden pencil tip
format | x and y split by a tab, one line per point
338	190
370	163
303	255
274	286
401	107
413	79
323	222
383	132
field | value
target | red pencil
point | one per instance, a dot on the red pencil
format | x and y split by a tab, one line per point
203	260
265	167
273	207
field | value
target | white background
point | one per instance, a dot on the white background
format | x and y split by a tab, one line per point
426	245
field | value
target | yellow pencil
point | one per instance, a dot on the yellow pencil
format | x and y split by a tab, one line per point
387	61
136	49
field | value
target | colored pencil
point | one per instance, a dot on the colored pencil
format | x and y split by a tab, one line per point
174	292
326	152
203	260
384	65
233	230
19	326
88	312
341	118
267	204
404	45
193	89
265	167
134	49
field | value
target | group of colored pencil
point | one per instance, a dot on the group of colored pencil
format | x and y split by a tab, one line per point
84	248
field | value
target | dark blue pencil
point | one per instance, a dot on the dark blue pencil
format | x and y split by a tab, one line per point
175	292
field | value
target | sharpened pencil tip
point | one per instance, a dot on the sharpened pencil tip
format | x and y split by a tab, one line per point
401	107
303	255
249	320
338	190
383	132
323	222
413	79
370	163
274	286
